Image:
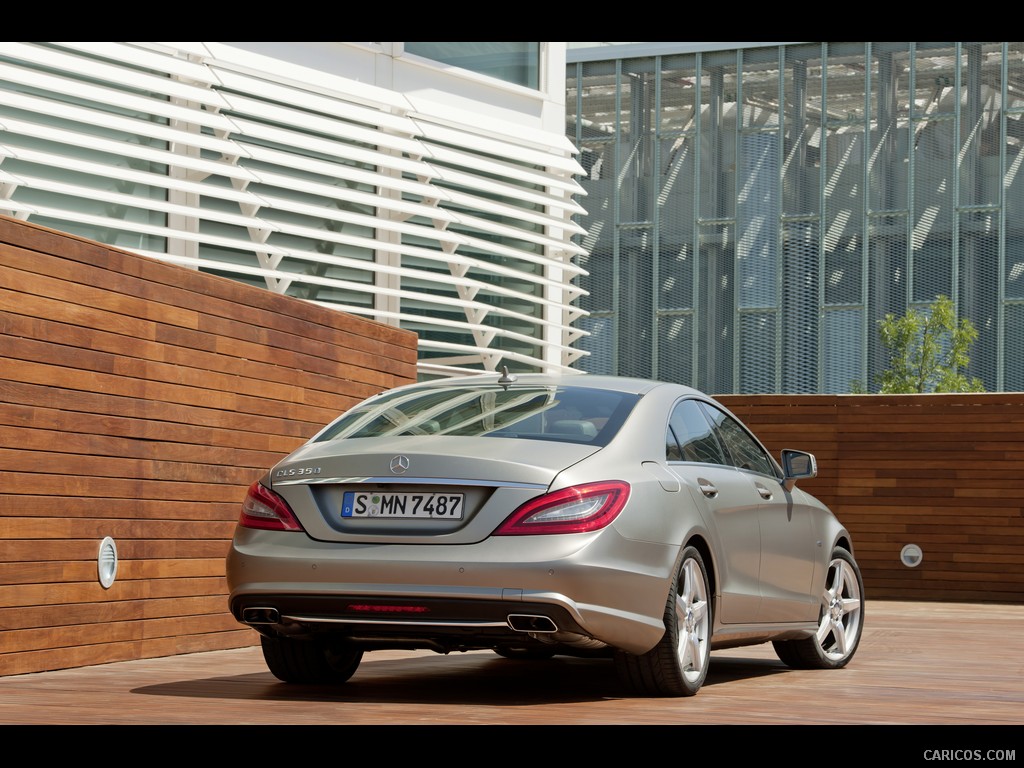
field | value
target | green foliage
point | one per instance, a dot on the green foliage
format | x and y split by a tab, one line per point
927	351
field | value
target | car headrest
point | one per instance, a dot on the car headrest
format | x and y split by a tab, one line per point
574	427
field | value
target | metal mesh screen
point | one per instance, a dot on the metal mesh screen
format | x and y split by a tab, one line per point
842	354
800	302
764	209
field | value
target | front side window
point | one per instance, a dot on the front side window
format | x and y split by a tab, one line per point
744	450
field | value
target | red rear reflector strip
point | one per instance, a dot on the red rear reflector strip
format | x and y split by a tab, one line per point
361	608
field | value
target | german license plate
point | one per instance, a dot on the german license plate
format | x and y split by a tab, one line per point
403	506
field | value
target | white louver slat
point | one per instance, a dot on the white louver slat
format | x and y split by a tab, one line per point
131	176
138	227
173	66
566	205
214	158
340	171
79	90
346	194
490	146
93	69
148	203
349	285
490	165
158	132
320	125
382	268
122	149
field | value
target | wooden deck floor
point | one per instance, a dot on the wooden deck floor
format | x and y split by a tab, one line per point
918	664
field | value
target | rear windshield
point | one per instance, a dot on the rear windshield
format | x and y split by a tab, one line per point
566	414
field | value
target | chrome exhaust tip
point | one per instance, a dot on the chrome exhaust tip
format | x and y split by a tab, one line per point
527	623
261	616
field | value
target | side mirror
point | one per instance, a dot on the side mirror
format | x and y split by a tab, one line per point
797	465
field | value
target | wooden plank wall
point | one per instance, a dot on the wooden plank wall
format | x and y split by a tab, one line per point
944	472
138	400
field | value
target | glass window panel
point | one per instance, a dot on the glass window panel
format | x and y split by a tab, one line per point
694	438
743	450
515	62
672	452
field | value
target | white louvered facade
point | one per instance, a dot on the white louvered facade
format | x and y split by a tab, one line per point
350	175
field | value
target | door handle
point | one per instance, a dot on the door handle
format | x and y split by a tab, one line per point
765	493
708	489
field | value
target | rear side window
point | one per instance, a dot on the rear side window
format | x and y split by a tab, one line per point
691	436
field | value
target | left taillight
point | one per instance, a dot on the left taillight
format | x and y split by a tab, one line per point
578	509
263	508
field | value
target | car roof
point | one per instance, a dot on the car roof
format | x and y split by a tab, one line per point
626	384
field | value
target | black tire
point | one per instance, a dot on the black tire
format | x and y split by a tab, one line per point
524	653
841	620
678	664
300	660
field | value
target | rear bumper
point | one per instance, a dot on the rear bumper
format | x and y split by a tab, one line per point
512	588
439	624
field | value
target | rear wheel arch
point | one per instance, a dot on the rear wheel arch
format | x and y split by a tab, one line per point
678	664
701	544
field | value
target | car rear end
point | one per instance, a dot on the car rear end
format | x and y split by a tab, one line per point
431	519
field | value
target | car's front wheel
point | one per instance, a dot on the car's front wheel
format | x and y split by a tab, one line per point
841	621
678	664
313	660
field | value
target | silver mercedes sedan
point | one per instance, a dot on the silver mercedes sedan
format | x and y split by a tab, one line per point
536	516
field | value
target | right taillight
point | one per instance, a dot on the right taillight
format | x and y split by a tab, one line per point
579	509
264	509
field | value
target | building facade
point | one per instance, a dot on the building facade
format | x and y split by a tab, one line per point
429	186
755	209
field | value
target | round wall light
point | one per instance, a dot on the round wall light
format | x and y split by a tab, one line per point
911	555
106	562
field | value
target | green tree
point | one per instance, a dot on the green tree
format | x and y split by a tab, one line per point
927	351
